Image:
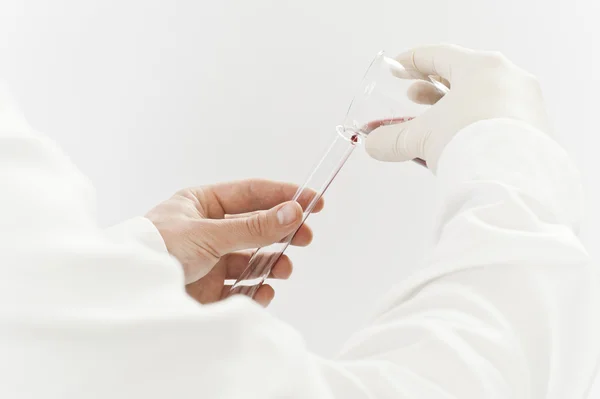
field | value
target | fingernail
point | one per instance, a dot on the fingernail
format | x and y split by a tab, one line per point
287	214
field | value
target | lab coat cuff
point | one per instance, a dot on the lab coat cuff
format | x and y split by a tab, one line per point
141	230
478	140
513	153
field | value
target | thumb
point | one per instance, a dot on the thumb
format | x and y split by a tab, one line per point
259	229
397	142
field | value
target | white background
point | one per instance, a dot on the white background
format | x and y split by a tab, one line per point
150	96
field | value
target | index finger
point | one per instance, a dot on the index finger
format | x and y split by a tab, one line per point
256	194
435	59
372	125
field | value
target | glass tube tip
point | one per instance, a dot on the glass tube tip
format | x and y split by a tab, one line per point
349	134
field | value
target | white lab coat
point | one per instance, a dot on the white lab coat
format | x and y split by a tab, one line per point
504	307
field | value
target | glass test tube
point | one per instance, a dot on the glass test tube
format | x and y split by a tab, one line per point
262	261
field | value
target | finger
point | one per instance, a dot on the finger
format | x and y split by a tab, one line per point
264	295
369	127
283	269
259	230
318	208
407	72
302	238
438	60
423	92
396	143
254	194
236	263
442	80
198	291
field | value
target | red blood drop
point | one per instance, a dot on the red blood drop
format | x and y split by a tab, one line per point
354	138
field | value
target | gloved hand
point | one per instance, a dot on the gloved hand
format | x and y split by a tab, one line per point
205	228
483	85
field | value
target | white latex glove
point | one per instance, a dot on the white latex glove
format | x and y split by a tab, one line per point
483	85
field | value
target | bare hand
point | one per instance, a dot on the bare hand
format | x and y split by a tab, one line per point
205	228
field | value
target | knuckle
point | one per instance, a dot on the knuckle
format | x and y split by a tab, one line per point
184	193
257	225
255	187
253	182
457	51
402	148
198	195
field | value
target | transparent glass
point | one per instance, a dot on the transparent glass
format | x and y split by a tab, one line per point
380	100
263	260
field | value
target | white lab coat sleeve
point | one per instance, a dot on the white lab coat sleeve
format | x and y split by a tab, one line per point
141	230
84	313
506	305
